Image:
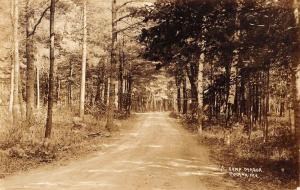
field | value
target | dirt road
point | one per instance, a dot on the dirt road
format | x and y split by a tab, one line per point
156	154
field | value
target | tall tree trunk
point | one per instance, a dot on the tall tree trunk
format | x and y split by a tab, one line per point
84	55
296	92
129	97
129	91
232	88
11	96
121	77
38	98
184	91
16	105
98	95
112	81
105	94
265	87
58	100
30	73
51	72
70	93
21	96
178	86
192	74
200	90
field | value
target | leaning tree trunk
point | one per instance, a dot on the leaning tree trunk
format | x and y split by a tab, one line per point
51	72
16	106
83	67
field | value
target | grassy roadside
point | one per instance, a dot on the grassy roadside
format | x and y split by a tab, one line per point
22	147
274	160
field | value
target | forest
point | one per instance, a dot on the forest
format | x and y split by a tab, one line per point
74	73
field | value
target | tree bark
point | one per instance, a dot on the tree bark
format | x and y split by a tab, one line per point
129	91
38	98
184	91
296	92
16	106
121	77
84	56
51	72
200	90
105	94
30	73
112	81
192	74
11	96
178	86
98	95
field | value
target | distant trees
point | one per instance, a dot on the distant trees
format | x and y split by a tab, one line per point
108	80
118	88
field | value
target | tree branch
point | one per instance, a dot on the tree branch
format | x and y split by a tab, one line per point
129	27
39	21
126	16
124	4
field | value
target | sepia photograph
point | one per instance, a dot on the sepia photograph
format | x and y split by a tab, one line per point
149	95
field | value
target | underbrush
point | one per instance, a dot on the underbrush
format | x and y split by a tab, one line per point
188	121
276	157
23	146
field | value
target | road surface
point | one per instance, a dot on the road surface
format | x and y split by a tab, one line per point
156	154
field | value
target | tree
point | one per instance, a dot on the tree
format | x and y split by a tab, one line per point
31	28
51	72
16	106
11	95
296	98
84	56
112	77
200	88
30	65
38	96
